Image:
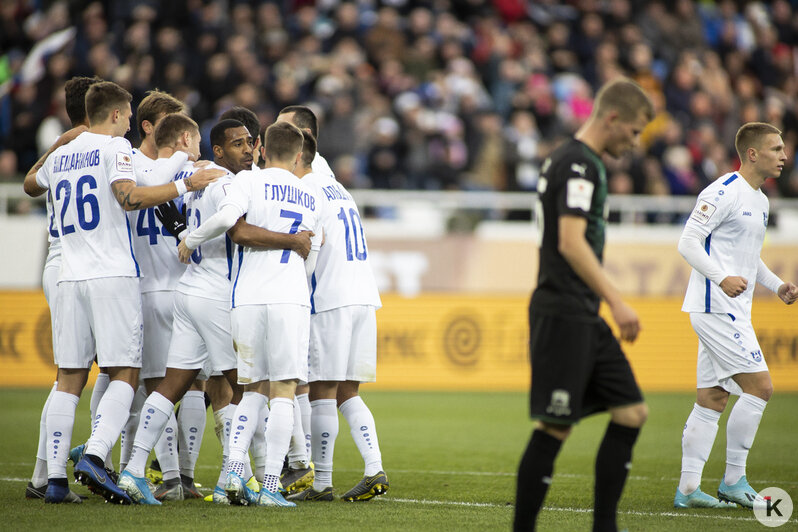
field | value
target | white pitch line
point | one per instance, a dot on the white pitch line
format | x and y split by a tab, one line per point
571	510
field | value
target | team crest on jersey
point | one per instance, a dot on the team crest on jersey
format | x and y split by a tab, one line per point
560	403
703	212
123	162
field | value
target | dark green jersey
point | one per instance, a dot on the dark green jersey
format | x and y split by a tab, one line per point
573	182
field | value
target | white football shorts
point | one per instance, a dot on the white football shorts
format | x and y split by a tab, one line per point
200	332
50	287
726	347
102	316
156	308
271	342
343	344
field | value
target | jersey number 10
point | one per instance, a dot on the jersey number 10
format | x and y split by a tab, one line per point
360	247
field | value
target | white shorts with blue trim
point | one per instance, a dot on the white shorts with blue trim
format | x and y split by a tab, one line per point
726	347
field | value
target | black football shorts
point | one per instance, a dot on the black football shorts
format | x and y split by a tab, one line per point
578	369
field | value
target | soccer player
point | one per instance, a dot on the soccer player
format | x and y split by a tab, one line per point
578	367
303	117
201	326
93	185
156	253
252	123
75	95
722	240
343	339
270	295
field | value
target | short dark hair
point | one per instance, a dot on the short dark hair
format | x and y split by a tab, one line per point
750	136
169	129
104	97
626	97
155	103
218	132
283	141
304	118
246	117
75	91
308	149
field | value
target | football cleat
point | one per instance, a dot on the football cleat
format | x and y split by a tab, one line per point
170	490
253	484
269	498
57	494
219	496
190	490
297	479
99	481
310	494
367	488
698	499
237	490
741	492
138	489
76	453
154	473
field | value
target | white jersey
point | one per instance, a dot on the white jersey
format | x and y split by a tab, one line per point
277	200
733	217
208	273
154	246
319	166
343	274
93	228
54	249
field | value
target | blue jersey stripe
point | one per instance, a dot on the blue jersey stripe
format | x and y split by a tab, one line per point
732	178
708	285
312	292
228	248
240	261
130	242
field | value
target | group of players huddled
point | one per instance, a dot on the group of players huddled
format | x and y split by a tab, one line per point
244	280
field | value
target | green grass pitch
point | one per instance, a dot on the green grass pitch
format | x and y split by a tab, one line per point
451	460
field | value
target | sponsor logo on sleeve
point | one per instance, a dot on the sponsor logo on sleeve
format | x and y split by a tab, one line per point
703	212
123	162
579	193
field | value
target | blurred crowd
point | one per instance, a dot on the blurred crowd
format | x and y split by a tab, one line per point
429	94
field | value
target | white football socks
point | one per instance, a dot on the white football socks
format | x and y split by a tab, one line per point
324	431
39	477
155	414
697	440
304	406
278	436
258	445
128	434
112	414
297	451
166	450
60	422
740	433
227	417
364	432
245	423
191	419
100	386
